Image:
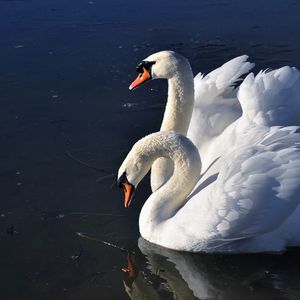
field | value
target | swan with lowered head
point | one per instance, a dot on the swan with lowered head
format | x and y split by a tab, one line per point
200	107
247	201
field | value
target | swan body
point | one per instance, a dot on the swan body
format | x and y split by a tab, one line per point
246	206
200	108
247	199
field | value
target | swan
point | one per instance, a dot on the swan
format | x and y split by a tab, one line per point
200	107
247	200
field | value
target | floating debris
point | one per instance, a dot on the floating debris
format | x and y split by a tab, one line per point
60	216
77	256
129	105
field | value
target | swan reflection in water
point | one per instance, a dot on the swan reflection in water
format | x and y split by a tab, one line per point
169	274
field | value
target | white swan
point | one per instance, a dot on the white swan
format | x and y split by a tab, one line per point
215	106
247	201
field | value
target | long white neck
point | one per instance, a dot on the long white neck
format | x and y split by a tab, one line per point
177	117
180	101
169	198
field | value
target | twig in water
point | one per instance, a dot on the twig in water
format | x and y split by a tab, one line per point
105	177
82	162
83	235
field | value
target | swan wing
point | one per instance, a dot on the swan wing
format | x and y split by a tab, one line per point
272	98
250	192
220	80
216	105
261	189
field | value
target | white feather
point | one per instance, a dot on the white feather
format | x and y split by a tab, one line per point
272	98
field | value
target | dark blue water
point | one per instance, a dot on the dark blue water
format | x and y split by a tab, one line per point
67	120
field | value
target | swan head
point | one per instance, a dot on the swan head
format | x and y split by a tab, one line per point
168	144
133	169
160	65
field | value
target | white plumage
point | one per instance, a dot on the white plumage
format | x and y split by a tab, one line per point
272	98
246	199
216	104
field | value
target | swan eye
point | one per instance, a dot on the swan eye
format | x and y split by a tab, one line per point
122	179
139	68
145	65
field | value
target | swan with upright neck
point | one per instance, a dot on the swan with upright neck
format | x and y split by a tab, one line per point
247	200
199	108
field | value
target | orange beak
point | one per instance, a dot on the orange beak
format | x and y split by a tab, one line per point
128	193
142	78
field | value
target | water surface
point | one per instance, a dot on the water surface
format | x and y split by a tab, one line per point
65	71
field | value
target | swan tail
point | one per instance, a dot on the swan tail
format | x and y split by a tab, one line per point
271	98
221	80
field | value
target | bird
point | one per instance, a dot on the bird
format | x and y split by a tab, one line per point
200	107
247	200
